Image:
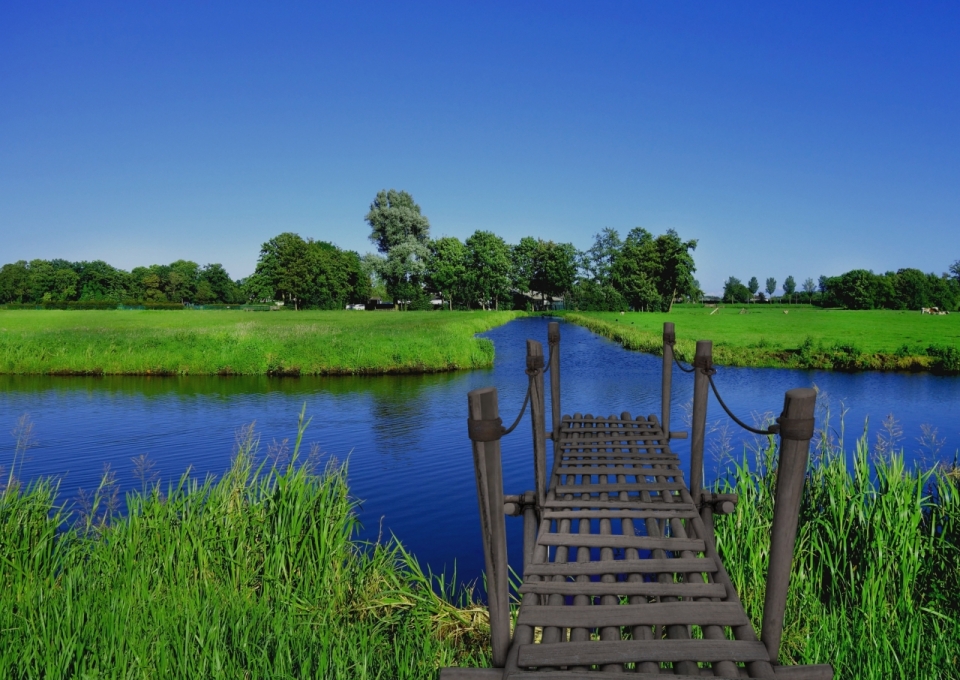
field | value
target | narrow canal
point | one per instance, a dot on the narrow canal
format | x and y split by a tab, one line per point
404	437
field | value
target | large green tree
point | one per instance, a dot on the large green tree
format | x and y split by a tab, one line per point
489	269
447	268
635	269
394	218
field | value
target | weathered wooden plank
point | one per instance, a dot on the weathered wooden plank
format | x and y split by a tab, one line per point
812	672
592	675
632	503
626	651
618	514
626	588
454	673
667	565
609	488
650	614
592	467
620	541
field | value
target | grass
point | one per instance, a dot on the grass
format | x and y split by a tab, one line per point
874	589
252	576
243	343
805	337
258	575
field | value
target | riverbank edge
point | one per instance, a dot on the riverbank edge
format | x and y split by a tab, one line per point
279	366
806	357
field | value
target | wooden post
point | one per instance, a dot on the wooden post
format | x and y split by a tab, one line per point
530	522
553	340
669	337
538	419
703	362
485	427
796	430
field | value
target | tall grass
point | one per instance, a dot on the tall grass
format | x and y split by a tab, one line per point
875	588
255	575
238	343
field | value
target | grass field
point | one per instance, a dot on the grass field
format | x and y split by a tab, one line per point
804	337
115	342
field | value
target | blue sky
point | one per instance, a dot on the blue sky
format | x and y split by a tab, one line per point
799	139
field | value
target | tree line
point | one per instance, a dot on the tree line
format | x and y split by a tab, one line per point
410	269
859	289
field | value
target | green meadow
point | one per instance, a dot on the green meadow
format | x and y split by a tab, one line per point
148	342
793	336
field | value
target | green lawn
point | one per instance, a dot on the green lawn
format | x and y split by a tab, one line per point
243	343
804	337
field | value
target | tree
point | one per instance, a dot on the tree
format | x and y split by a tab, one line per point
221	287
753	286
598	260
789	286
404	272
544	267
15	282
675	267
394	218
446	268
734	292
488	269
822	284
955	270
809	286
634	271
771	286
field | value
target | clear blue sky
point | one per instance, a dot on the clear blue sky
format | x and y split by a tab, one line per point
805	139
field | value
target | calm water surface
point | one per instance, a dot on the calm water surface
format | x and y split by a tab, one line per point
405	436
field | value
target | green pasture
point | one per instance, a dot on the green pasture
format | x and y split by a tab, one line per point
150	342
793	336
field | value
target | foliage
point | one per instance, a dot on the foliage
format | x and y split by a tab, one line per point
753	285
242	343
771	286
789	286
254	575
447	269
489	269
873	589
735	292
394	218
903	289
544	267
308	274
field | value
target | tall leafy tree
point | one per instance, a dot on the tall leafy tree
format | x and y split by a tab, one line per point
635	269
675	267
394	218
771	286
809	286
735	292
15	282
955	270
599	258
404	271
789	286
753	286
447	268
488	269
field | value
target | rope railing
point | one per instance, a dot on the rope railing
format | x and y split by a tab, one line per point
491	430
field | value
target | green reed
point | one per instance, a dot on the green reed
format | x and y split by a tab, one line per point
875	588
254	575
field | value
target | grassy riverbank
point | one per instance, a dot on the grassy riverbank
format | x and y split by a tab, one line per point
252	576
805	337
874	584
54	342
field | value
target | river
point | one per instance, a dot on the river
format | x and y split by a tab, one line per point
404	437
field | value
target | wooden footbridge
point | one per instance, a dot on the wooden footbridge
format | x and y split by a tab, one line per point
620	568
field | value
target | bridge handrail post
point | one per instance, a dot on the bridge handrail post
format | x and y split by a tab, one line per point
669	338
538	419
796	431
703	363
485	428
553	340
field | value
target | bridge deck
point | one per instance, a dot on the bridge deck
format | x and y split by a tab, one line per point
625	576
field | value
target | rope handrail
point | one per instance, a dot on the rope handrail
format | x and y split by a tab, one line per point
772	429
492	430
